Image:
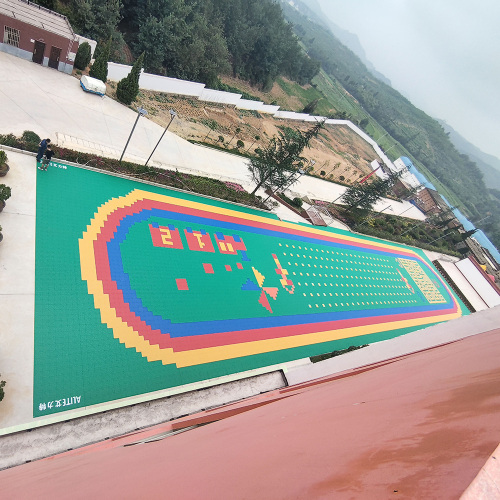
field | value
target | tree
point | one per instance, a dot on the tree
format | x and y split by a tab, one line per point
282	156
83	55
365	195
128	87
5	192
364	123
96	19
49	4
468	234
211	126
99	69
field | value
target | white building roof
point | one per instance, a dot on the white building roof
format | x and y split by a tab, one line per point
36	15
407	177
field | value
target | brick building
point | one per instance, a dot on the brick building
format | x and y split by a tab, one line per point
37	34
429	201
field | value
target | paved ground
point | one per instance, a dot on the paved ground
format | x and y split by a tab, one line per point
53	105
17	289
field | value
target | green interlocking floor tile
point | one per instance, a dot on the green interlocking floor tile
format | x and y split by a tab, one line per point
80	361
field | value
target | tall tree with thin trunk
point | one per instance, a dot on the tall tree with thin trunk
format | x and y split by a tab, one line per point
273	165
364	196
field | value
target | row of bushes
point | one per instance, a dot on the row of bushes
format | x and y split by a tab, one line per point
394	228
235	151
442	246
27	142
171	178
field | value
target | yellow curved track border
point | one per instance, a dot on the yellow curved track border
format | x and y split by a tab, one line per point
131	338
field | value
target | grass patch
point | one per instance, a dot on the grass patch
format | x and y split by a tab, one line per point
306	95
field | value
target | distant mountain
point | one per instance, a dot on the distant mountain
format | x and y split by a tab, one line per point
420	137
488	164
309	8
312	9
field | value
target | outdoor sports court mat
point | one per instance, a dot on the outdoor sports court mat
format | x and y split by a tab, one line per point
140	288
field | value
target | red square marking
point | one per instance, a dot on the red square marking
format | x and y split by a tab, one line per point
228	267
239	265
208	268
182	284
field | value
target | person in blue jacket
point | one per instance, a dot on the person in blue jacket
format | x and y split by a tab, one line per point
41	149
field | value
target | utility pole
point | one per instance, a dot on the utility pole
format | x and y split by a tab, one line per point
140	112
173	114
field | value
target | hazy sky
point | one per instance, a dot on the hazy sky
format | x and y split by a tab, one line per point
442	54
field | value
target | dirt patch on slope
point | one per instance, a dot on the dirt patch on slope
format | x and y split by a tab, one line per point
338	154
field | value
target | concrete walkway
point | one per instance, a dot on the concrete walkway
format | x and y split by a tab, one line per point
52	104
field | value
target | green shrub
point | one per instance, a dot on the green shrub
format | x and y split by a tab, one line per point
99	69
31	140
5	192
297	202
128	87
10	140
83	56
208	122
240	143
229	88
3	157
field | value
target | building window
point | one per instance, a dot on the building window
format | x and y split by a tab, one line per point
11	36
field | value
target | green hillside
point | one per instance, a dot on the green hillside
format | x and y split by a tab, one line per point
251	39
410	131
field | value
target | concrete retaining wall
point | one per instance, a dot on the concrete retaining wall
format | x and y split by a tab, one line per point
49	440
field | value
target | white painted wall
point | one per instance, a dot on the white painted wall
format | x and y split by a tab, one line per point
170	85
118	71
219	96
249	104
291	115
268	108
157	83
